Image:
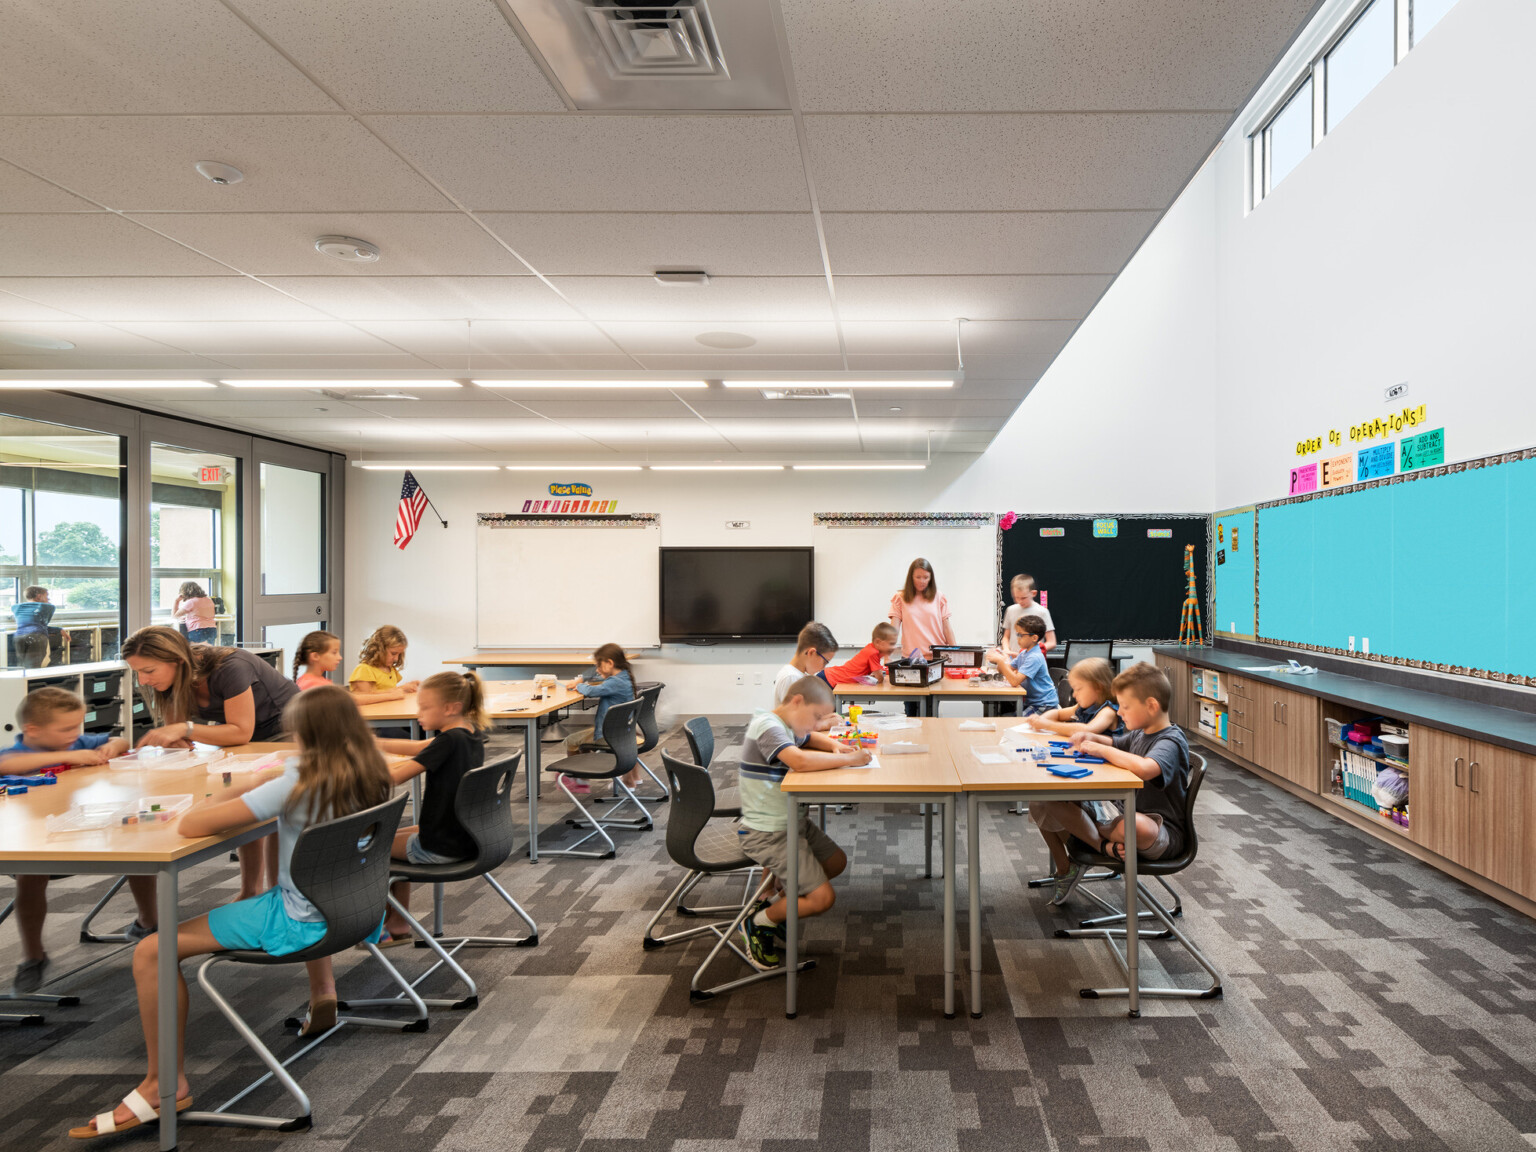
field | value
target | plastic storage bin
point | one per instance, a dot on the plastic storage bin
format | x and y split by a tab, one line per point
85	818
915	673
155	809
169	760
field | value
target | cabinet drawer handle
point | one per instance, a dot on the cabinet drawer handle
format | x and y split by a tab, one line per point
1472	777
1456	772
1285	712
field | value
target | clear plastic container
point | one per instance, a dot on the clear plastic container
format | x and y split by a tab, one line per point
166	759
86	818
246	764
155	809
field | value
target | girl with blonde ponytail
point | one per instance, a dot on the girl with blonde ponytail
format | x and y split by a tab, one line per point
452	706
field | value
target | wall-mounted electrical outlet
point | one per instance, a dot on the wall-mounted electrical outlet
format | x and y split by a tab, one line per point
1365	645
1351	643
757	678
741	680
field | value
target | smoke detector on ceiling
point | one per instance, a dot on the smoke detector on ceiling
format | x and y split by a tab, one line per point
216	173
657	39
806	394
681	276
725	339
348	248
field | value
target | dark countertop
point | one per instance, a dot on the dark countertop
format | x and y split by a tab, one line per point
1502	726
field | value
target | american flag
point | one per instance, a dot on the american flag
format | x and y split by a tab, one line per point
413	502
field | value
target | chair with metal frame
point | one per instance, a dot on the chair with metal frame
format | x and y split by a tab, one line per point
620	758
650	734
707	847
1080	650
1103	927
86	937
483	807
342	867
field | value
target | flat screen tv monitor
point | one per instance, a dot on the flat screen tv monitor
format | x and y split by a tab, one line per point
735	593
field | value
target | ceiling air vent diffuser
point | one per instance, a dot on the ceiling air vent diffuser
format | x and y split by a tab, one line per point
792	393
658	40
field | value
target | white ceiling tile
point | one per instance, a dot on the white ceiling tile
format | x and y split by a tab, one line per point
16	308
510	362
788	434
180	298
646	338
735	362
1007	55
449	338
82	56
887	362
88	339
401	55
1048	161
291	163
900	337
428	297
984	339
653	433
975	297
638	243
283	243
230	405
214	338
579	162
321	361
957	243
93	244
607	405
506	433
22	192
80	361
724	299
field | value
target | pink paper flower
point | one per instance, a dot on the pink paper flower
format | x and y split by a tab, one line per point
1007	521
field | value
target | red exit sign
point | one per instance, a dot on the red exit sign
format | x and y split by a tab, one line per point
213	475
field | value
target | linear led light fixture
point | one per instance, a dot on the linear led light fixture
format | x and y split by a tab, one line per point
591	385
342	385
97	385
572	467
859	467
429	467
881	384
716	467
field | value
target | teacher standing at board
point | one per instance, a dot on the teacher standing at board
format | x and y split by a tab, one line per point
921	611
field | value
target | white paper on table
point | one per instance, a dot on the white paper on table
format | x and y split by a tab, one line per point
904	748
874	762
1024	730
977	726
891	724
988	757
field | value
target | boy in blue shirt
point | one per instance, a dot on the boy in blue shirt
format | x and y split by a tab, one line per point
1028	668
52	738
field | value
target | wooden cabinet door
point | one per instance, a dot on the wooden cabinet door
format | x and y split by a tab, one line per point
1178	675
1239	740
1268	742
1301	739
1437	791
1496	829
1241	713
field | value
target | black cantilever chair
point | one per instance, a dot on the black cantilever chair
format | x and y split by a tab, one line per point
342	867
621	755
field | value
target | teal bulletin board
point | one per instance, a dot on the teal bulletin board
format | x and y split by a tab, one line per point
1433	569
1233	564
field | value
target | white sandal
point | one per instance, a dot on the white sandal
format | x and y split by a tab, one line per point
143	1112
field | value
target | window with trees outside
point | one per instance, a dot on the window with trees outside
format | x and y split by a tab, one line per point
61	517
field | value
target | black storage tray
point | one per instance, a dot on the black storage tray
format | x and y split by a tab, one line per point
103	717
960	655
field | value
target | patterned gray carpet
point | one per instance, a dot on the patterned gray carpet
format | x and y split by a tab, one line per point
1370	1003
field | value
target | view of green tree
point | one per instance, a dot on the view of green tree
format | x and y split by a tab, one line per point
96	594
154	538
76	542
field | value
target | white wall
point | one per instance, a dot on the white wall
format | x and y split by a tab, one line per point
1400	249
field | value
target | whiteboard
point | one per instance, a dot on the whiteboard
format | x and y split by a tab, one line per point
859	568
567	587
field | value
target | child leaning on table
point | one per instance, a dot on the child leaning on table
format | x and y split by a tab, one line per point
1028	669
611	681
777	743
1152	747
869	662
52	737
336	771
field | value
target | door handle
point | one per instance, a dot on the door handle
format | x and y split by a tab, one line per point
1472	777
1285	712
1456	771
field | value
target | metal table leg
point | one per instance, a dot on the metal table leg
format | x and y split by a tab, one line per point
792	900
534	777
166	976
973	894
927	840
1132	908
949	906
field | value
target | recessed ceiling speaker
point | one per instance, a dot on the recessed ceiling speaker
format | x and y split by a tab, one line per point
725	340
217	173
348	248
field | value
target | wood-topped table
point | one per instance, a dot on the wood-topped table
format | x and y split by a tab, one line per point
125	850
923	778
507	702
572	659
930	695
882	693
1013	782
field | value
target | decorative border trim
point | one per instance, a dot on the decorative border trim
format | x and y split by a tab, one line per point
517	520
1375	657
904	519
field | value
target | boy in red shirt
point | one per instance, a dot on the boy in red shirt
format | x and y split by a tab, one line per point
869	662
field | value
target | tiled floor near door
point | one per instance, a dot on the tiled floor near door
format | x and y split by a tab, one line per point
1371	1002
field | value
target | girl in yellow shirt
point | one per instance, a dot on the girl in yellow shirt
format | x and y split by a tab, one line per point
377	675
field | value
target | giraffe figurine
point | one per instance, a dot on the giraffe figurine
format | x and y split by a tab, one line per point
1190	632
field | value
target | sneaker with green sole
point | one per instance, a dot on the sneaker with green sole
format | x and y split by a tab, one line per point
762	944
1065	883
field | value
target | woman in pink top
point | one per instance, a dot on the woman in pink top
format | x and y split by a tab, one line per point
921	612
194	612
